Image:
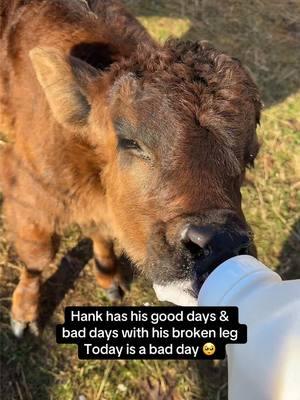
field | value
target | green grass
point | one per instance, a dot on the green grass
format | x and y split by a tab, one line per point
271	198
264	34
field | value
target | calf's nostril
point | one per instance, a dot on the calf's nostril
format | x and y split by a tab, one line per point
243	245
196	240
195	250
200	236
203	241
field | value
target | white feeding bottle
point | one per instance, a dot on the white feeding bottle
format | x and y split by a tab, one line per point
267	367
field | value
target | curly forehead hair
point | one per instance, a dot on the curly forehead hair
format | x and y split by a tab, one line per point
208	89
195	66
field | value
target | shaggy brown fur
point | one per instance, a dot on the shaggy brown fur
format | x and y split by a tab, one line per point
130	140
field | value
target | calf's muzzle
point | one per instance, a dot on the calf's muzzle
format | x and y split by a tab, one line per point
212	245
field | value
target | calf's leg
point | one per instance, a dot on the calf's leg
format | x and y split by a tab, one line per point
31	229
106	267
36	247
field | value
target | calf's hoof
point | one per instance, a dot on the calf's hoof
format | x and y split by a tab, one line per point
19	327
114	293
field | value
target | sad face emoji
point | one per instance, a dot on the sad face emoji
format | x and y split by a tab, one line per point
209	349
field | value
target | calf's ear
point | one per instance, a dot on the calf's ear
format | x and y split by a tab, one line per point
65	81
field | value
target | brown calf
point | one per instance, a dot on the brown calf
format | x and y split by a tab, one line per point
142	145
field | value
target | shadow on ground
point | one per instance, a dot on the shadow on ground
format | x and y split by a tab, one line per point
289	259
264	35
57	286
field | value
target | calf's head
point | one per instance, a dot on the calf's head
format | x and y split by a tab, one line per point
173	130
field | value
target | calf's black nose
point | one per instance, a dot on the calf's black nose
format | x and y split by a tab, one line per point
211	246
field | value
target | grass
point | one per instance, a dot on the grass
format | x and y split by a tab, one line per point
264	34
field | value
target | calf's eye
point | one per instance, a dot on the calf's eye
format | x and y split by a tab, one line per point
124	143
133	147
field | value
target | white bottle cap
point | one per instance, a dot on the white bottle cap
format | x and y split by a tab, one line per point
231	274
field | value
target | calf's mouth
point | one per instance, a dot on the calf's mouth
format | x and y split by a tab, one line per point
182	263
